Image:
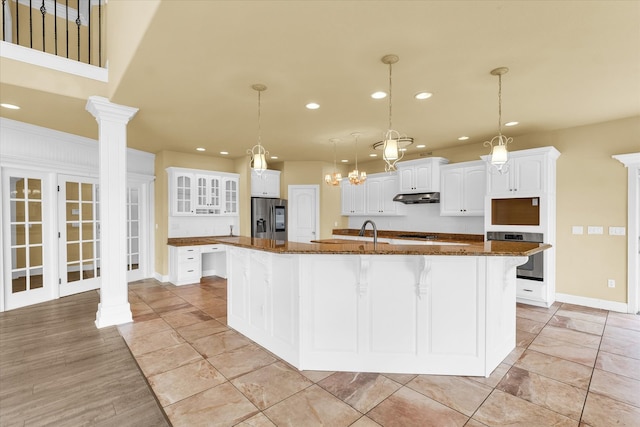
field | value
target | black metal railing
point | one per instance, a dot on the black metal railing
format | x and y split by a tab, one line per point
69	28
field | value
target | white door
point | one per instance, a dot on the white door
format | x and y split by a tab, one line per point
304	209
78	204
135	233
28	269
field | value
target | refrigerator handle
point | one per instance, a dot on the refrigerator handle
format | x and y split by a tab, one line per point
272	222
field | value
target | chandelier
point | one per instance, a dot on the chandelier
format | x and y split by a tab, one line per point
392	150
498	144
335	177
258	153
356	177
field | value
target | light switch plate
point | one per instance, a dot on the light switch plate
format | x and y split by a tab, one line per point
593	229
577	229
617	231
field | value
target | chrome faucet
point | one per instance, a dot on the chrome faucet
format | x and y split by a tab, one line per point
375	232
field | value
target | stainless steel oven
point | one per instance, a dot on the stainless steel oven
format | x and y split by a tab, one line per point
533	268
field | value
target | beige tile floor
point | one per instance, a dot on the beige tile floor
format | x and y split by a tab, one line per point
573	366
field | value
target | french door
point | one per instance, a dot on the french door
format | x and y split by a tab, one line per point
79	234
28	274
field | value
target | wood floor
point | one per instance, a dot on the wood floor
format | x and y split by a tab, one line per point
57	368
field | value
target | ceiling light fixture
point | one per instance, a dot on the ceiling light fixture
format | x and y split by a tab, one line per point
511	123
335	177
312	106
379	95
498	144
356	177
9	106
258	153
463	138
391	145
423	95
200	149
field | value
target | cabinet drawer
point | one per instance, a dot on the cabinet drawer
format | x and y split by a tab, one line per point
207	249
188	269
530	289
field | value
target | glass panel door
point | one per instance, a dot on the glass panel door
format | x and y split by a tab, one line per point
134	234
26	271
79	235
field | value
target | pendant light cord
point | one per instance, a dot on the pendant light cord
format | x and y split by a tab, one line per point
499	104
390	96
259	119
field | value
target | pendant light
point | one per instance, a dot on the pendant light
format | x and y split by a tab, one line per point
335	177
498	144
258	153
356	177
391	150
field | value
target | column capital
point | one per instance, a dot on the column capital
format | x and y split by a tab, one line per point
101	108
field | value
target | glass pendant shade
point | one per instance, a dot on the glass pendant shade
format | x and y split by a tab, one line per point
336	177
259	161
499	154
390	152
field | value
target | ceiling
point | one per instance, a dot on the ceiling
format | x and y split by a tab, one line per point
571	63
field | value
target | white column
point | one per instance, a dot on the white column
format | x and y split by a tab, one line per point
112	119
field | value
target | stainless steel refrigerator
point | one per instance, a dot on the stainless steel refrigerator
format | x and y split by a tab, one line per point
269	218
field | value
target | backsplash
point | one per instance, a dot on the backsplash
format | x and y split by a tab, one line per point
193	226
424	217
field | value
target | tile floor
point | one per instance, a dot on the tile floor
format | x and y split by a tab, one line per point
573	366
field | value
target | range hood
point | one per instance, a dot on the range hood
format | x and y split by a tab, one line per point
432	197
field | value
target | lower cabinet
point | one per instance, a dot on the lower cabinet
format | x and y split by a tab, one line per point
184	264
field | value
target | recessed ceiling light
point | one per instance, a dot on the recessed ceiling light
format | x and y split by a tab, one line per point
224	153
9	106
423	95
274	157
511	123
344	161
420	146
463	138
312	106
373	155
200	149
402	149
379	95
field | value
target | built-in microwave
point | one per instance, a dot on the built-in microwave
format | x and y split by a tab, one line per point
515	211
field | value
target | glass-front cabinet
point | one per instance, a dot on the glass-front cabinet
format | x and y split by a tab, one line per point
198	192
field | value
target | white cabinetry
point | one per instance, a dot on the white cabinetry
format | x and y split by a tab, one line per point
353	198
184	264
266	184
199	192
422	175
530	172
380	190
463	189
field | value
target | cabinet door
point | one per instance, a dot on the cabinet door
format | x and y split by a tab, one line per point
406	176
474	190
388	191
353	198
452	194
182	194
374	189
272	184
499	183
230	196
423	181
529	174
207	195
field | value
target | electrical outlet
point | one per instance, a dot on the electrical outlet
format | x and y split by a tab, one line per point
611	283
592	229
616	231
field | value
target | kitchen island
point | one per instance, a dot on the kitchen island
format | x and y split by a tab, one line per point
423	309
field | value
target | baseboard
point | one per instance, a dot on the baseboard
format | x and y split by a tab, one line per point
160	278
620	307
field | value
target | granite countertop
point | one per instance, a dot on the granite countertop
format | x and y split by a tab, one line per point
469	247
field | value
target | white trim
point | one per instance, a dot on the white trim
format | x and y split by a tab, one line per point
53	62
632	162
160	277
619	307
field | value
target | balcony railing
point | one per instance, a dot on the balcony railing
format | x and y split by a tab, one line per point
67	28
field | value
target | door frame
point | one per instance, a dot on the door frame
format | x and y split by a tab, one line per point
316	189
632	162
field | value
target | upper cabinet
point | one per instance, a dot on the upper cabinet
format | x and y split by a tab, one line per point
422	175
529	172
352	198
380	191
463	189
199	192
266	184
